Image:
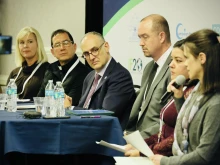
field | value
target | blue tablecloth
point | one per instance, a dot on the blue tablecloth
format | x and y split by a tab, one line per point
58	136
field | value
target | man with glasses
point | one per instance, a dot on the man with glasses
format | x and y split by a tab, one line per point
68	69
110	85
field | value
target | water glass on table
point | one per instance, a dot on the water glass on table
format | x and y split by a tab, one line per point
3	100
50	107
39	104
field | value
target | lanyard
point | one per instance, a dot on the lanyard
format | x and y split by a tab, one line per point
161	119
70	69
28	77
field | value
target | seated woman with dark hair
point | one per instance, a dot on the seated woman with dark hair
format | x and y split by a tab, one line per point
197	130
162	142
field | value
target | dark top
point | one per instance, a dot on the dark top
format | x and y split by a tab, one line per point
169	111
115	92
33	85
73	82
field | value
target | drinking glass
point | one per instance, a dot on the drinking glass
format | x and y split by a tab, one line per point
3	100
39	104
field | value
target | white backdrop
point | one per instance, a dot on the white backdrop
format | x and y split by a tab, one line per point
184	17
44	15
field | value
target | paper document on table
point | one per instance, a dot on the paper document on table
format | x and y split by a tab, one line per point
23	100
25	106
133	161
136	140
113	146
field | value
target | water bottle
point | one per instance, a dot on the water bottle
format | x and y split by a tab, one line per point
11	91
49	100
49	90
59	99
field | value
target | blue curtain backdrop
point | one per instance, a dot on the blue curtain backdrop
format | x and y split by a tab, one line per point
110	7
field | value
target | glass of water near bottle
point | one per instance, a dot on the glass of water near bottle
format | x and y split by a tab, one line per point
53	104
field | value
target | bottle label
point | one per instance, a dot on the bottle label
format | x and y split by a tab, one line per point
58	95
49	92
11	91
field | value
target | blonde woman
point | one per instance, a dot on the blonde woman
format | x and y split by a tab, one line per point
31	59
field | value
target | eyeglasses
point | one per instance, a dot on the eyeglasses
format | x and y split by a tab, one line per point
94	51
65	43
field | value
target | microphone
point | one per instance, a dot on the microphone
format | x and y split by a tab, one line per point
180	80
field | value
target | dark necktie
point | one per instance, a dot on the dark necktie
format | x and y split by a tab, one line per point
92	90
151	77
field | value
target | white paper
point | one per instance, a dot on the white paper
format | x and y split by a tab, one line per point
23	100
133	161
25	106
113	146
137	141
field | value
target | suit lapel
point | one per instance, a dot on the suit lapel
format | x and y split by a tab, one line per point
154	84
107	73
146	81
138	102
89	84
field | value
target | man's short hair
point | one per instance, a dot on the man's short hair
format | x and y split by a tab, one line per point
61	31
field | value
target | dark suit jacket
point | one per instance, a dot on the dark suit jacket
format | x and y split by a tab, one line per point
148	123
73	82
115	92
